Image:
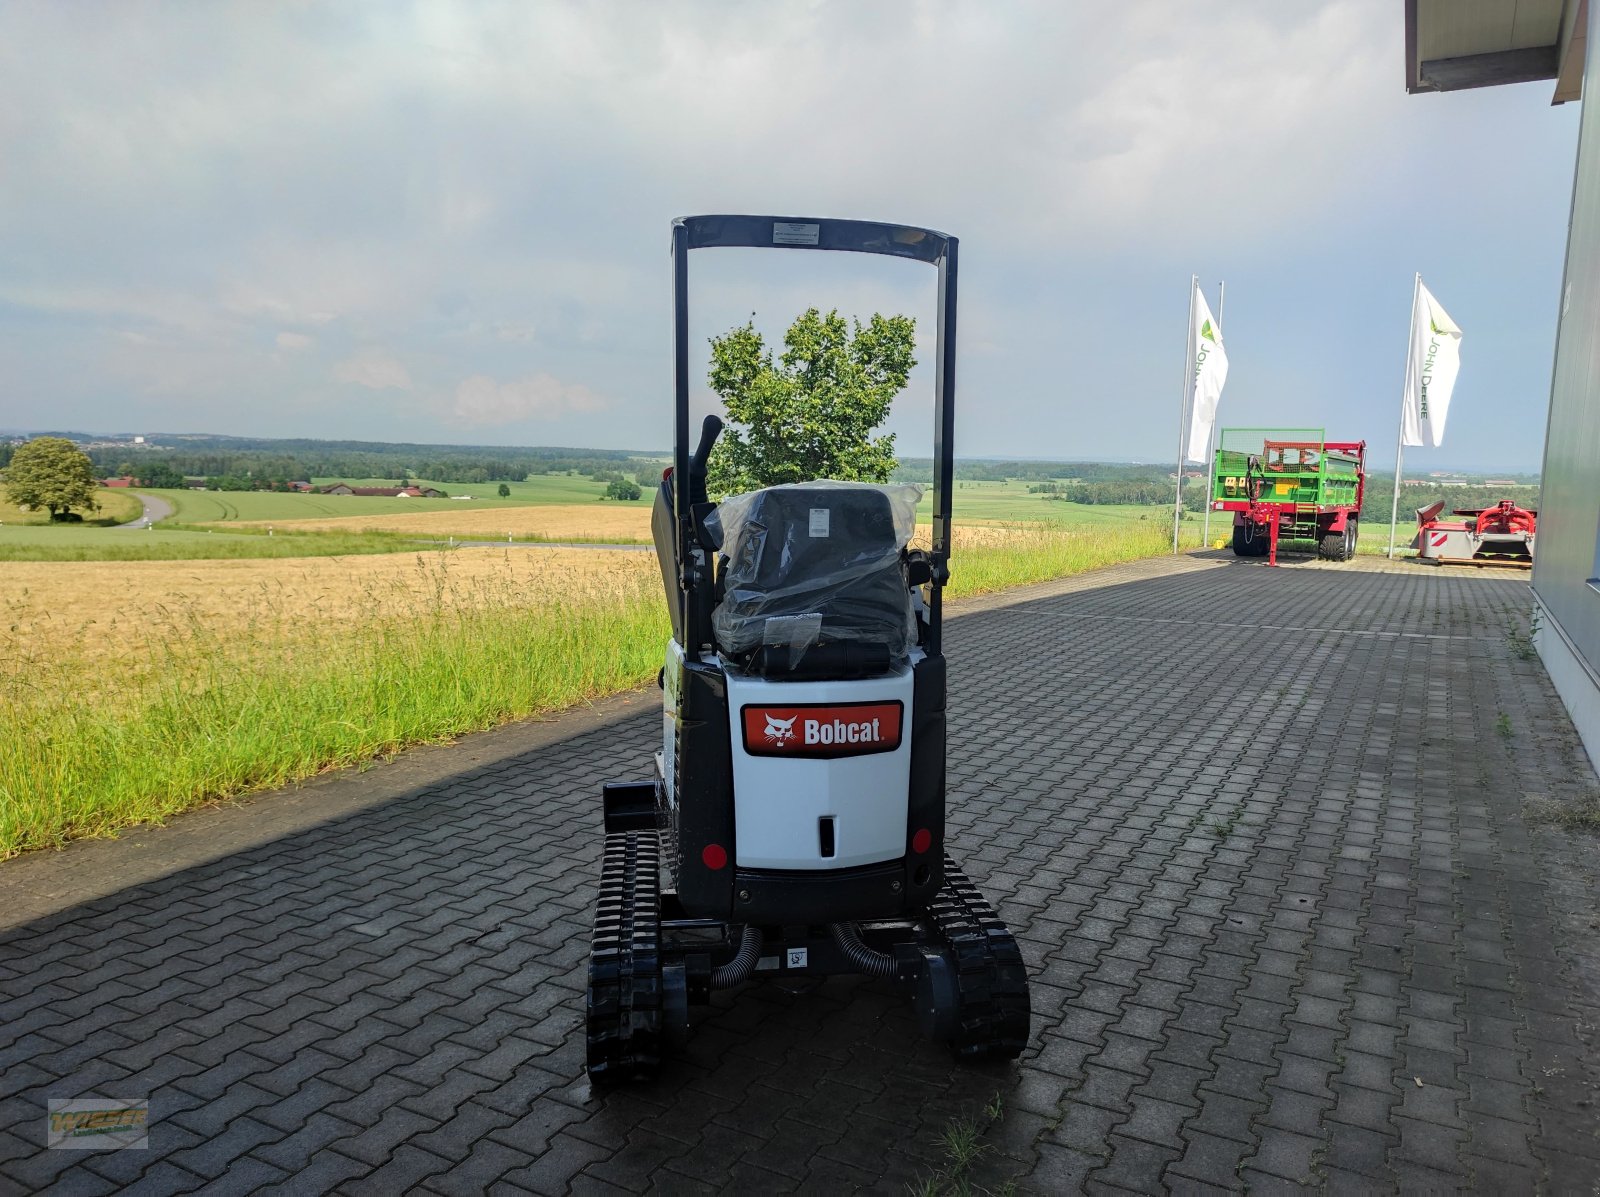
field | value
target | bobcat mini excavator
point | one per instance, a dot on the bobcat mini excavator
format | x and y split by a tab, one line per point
795	824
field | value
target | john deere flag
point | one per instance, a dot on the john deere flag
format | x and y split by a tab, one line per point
1431	369
1210	372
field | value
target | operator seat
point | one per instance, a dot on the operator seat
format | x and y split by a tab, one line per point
813	584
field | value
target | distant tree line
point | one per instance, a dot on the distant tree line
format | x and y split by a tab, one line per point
291	461
242	463
1139	491
920	469
1379	498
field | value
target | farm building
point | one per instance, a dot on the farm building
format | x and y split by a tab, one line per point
119	483
384	492
1454	45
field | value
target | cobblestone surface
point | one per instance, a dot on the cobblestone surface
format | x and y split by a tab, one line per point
1265	836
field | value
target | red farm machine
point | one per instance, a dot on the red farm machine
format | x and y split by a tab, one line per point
1498	535
1296	486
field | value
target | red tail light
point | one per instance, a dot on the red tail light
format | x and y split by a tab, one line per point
714	856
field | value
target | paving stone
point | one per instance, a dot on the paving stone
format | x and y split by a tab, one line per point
1286	1155
1358	1149
1156	1121
1208	1160
553	1171
394	998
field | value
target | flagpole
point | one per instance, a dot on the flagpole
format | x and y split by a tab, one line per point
1211	440
1400	436
1183	412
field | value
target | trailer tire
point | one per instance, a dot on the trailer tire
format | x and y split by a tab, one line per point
1336	546
1247	545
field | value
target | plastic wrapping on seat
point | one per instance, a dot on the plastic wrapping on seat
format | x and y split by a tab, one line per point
815	563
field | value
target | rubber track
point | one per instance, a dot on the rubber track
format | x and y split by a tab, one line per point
624	993
990	971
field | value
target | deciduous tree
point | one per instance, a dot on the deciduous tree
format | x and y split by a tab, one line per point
53	473
812	412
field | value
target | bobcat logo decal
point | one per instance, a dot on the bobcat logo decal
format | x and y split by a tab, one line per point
822	729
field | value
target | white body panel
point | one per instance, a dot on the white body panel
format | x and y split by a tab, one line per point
1451	542
778	801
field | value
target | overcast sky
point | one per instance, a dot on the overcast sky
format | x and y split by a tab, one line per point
450	222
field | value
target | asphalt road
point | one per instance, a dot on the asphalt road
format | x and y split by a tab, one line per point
155	509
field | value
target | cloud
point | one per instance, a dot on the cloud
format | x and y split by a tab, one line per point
374	369
477	182
511	330
484	400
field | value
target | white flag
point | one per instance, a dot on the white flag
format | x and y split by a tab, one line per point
1210	372
1431	369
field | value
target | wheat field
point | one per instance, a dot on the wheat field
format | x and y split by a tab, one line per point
114	611
621	522
132	690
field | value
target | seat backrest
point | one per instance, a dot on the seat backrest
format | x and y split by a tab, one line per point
814	565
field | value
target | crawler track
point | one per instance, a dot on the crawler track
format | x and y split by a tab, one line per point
989	968
624	1022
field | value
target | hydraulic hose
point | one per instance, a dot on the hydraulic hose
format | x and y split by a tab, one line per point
738	970
872	963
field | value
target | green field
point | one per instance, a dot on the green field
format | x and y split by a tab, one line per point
1010	502
116	507
75	542
1007	502
187	536
214	506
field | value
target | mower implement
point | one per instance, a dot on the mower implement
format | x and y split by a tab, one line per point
1501	535
795	822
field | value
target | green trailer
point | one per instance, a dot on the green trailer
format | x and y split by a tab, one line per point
1290	484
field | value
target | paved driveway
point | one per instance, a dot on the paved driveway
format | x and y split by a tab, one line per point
1321	941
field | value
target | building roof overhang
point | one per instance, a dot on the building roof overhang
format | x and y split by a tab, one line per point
1456	44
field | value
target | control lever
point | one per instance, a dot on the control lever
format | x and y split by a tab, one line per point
709	431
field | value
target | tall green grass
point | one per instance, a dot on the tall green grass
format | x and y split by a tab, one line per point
212	713
217	714
1042	552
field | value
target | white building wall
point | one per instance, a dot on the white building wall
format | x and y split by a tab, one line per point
1566	568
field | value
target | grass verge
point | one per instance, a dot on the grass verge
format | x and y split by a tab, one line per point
211	715
178	542
112	507
1579	815
205	712
1039	553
